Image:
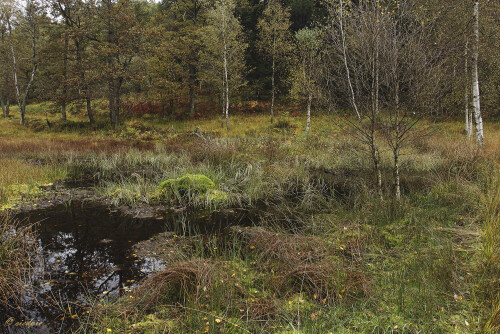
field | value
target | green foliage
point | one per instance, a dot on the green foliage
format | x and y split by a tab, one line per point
306	70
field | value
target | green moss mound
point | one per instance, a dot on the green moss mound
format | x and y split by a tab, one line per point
194	183
216	195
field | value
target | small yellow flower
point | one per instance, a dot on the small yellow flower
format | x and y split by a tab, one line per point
108	330
217	320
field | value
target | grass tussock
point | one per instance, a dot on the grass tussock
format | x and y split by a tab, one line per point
17	255
183	280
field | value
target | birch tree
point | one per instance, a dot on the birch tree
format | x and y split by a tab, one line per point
468	114
223	53
475	79
5	68
409	67
306	71
17	21
274	39
353	62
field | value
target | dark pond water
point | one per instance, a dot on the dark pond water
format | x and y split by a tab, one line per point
87	253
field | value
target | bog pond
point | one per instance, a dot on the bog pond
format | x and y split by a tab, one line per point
87	253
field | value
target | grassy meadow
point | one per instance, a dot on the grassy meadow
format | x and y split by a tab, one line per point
326	256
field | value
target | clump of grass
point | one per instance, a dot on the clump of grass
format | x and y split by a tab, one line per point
17	250
490	253
178	283
302	263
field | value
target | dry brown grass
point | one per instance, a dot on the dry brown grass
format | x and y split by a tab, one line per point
303	263
180	281
11	146
493	324
289	250
17	255
316	279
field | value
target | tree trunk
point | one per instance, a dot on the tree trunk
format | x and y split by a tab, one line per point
89	108
468	128
111	99
227	86
5	105
192	97
21	100
65	78
116	118
4	112
344	51
377	83
378	173
475	79
397	186
83	81
397	137
272	80
223	105
14	70
308	124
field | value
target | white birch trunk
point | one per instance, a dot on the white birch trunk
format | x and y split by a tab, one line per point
21	100
475	79
308	124
225	66
344	51
14	70
272	80
468	128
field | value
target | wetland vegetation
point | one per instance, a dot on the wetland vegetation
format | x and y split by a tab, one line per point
248	166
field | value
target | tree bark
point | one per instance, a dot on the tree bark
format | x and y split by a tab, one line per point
376	167
308	124
4	111
65	78
475	79
223	105
89	107
397	185
225	68
111	99
397	136
272	80
468	128
192	97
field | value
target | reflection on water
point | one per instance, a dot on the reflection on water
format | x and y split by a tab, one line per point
87	251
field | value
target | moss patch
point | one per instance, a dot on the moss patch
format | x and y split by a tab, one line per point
214	195
188	183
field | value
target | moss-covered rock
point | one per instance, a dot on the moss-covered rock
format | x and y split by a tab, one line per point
194	183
